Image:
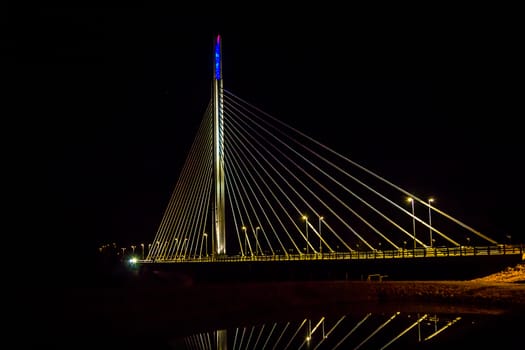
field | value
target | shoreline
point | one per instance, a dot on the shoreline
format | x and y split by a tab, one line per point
143	311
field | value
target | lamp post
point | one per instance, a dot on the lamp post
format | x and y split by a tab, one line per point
245	241
320	240
206	243
176	247
202	242
305	218
411	200
257	240
430	200
184	247
142	247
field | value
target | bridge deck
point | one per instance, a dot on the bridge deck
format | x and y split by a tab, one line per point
376	254
430	264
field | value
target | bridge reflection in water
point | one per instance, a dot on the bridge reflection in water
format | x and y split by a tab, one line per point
392	330
278	315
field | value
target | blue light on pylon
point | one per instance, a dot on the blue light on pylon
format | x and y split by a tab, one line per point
218	58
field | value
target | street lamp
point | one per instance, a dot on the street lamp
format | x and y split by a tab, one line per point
257	240
184	247
142	246
202	242
305	218
411	200
206	242
430	200
176	247
320	240
245	241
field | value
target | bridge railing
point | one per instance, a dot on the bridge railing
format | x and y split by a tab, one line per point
372	254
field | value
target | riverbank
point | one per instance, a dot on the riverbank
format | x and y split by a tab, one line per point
146	311
142	311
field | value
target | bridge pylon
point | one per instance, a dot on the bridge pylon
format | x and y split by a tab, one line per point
219	236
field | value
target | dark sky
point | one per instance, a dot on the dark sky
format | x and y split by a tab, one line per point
120	92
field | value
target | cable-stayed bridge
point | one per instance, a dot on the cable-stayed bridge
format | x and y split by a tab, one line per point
255	189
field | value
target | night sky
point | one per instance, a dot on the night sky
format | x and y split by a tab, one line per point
116	95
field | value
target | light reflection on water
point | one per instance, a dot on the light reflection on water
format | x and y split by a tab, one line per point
393	330
334	315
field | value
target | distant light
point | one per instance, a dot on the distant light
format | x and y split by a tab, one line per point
133	260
